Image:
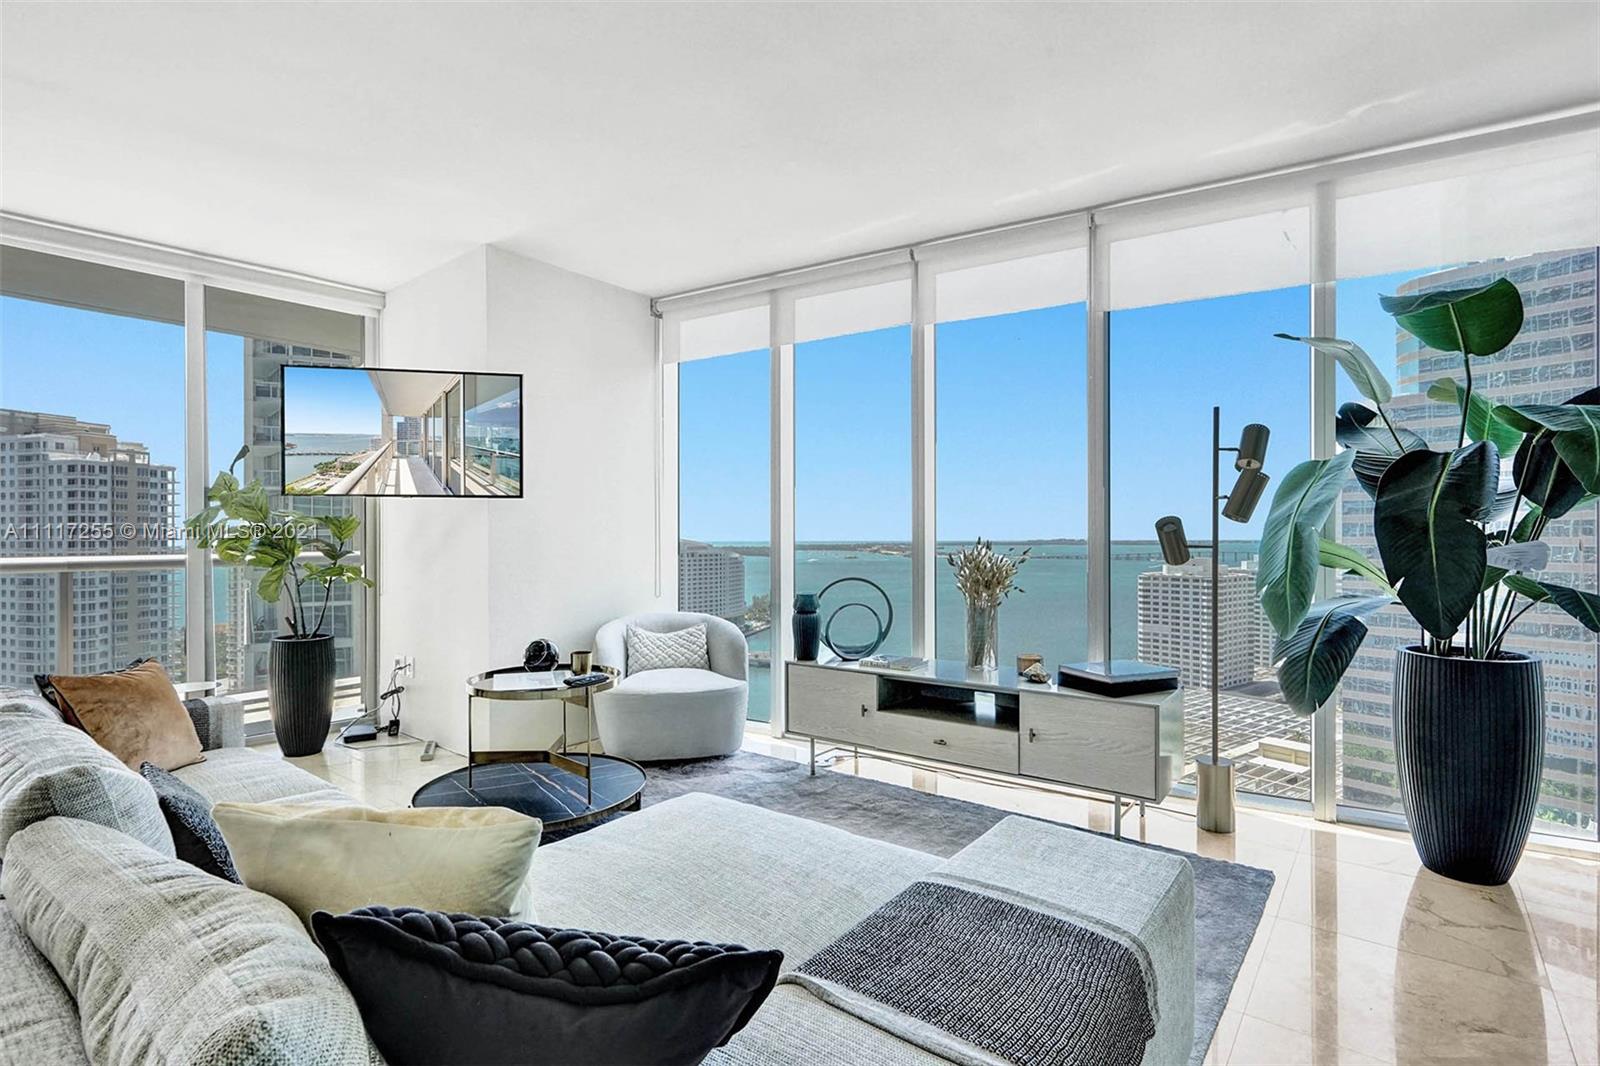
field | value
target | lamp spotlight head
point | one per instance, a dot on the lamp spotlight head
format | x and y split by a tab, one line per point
1245	495
1174	545
1252	447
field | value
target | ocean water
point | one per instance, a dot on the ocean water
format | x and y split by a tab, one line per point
309	449
1048	616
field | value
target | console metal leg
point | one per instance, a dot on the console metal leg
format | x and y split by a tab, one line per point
469	743
813	763
1116	817
1141	810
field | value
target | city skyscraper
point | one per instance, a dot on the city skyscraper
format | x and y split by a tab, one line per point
69	487
710	580
1552	359
1175	623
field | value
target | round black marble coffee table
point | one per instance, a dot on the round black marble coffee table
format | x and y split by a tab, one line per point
544	790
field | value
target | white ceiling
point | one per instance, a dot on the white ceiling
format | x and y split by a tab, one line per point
409	393
666	146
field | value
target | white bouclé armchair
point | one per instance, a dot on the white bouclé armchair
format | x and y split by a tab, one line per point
675	713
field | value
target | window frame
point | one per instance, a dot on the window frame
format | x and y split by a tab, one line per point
196	272
1314	188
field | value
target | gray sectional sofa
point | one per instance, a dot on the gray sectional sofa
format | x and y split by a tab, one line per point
105	898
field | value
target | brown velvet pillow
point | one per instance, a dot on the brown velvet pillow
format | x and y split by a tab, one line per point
135	714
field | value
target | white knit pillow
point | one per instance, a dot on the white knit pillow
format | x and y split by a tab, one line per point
680	649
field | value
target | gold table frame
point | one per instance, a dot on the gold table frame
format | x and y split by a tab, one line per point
501	685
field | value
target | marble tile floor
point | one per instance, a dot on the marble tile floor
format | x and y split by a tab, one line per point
1362	956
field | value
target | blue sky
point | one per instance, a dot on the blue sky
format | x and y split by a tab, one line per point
1010	410
1010	420
330	400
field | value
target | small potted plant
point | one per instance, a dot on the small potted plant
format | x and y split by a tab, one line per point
985	578
1457	532
240	525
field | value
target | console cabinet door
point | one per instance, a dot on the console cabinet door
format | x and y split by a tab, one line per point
1110	746
836	704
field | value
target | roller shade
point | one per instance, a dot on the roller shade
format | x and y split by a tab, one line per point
1011	285
265	319
1532	198
742	326
75	283
1253	252
877	300
1019	269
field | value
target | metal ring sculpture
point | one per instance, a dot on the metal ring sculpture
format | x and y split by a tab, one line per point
884	622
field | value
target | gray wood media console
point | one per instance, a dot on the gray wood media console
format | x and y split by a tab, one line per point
1131	747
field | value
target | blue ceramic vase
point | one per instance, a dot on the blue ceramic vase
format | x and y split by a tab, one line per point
807	627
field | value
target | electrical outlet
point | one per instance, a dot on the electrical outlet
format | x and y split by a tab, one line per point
400	663
410	667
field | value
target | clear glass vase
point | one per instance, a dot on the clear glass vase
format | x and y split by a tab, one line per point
983	636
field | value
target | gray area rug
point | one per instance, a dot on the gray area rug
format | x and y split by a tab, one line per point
1229	898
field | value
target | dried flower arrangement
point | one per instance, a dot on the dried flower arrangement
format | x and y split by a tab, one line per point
985	576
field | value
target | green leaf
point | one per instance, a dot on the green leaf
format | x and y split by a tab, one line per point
1473	321
224	484
1286	580
1482	424
1315	656
343	527
1583	606
1359	427
1526	586
1424	520
1575	433
1358	365
1342	557
248	505
270	587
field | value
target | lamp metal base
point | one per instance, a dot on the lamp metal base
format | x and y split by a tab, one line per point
1214	793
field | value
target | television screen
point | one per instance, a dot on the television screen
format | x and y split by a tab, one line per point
349	431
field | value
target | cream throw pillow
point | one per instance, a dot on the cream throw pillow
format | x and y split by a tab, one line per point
471	860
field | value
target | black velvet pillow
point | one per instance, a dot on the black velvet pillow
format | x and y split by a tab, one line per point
452	988
194	834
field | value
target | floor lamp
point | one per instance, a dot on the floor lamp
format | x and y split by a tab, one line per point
1214	809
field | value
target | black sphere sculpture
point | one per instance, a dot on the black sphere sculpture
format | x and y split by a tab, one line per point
883	623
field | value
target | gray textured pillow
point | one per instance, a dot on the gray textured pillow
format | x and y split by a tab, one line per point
195	835
49	768
169	964
681	649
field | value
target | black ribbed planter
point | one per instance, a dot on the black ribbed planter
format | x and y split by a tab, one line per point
1469	744
300	692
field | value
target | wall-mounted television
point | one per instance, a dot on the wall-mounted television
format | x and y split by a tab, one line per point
353	431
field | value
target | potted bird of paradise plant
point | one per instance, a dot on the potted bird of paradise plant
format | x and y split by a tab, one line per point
1458	536
297	557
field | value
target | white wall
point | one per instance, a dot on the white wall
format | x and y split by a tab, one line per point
466	583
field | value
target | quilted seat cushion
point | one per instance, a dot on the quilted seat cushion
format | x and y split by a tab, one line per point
239	775
492	990
664	682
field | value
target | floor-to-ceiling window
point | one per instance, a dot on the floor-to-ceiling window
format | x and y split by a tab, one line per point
1193	314
852	460
1423	231
724	472
1016	413
249	339
91	463
1011	455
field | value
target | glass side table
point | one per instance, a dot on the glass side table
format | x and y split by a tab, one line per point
517	684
